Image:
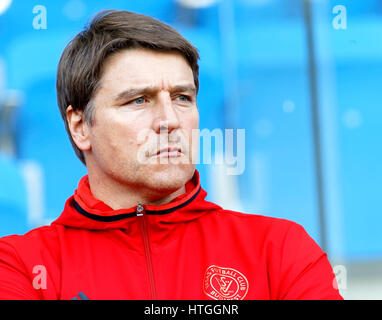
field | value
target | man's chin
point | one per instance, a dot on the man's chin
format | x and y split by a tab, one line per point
169	176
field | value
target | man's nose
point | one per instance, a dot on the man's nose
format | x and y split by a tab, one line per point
167	118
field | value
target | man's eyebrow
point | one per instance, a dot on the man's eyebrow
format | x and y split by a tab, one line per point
184	88
132	92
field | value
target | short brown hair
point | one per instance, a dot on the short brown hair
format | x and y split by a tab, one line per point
81	63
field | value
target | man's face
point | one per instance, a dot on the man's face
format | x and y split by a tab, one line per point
145	111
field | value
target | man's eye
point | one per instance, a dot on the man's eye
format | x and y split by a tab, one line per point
139	100
183	98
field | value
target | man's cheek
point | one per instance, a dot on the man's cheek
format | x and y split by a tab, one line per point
144	145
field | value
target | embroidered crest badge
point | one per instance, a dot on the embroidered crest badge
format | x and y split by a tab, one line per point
225	283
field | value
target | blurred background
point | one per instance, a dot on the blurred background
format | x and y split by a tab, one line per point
303	78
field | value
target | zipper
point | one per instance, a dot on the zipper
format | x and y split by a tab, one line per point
141	214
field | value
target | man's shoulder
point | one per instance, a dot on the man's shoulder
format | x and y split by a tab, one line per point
32	241
259	220
25	257
257	227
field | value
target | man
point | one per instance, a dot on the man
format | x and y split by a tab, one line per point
138	225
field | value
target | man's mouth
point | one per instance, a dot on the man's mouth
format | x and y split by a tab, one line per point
168	152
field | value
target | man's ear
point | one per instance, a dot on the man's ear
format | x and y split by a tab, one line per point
78	127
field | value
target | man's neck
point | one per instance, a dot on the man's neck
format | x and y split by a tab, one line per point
122	196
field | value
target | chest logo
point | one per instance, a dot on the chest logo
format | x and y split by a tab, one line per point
225	283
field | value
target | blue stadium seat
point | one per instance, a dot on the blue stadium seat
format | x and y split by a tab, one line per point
43	139
13	198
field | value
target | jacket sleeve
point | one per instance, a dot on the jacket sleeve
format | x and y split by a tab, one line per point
14	281
306	273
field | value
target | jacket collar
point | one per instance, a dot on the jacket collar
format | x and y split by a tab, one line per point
83	210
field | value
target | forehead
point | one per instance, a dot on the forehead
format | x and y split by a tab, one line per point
132	67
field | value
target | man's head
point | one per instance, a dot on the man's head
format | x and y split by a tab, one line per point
125	85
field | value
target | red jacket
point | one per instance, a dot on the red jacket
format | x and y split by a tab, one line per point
186	249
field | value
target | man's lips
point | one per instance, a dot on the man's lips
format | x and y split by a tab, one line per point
168	152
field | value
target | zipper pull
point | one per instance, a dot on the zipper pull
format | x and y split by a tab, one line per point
140	210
